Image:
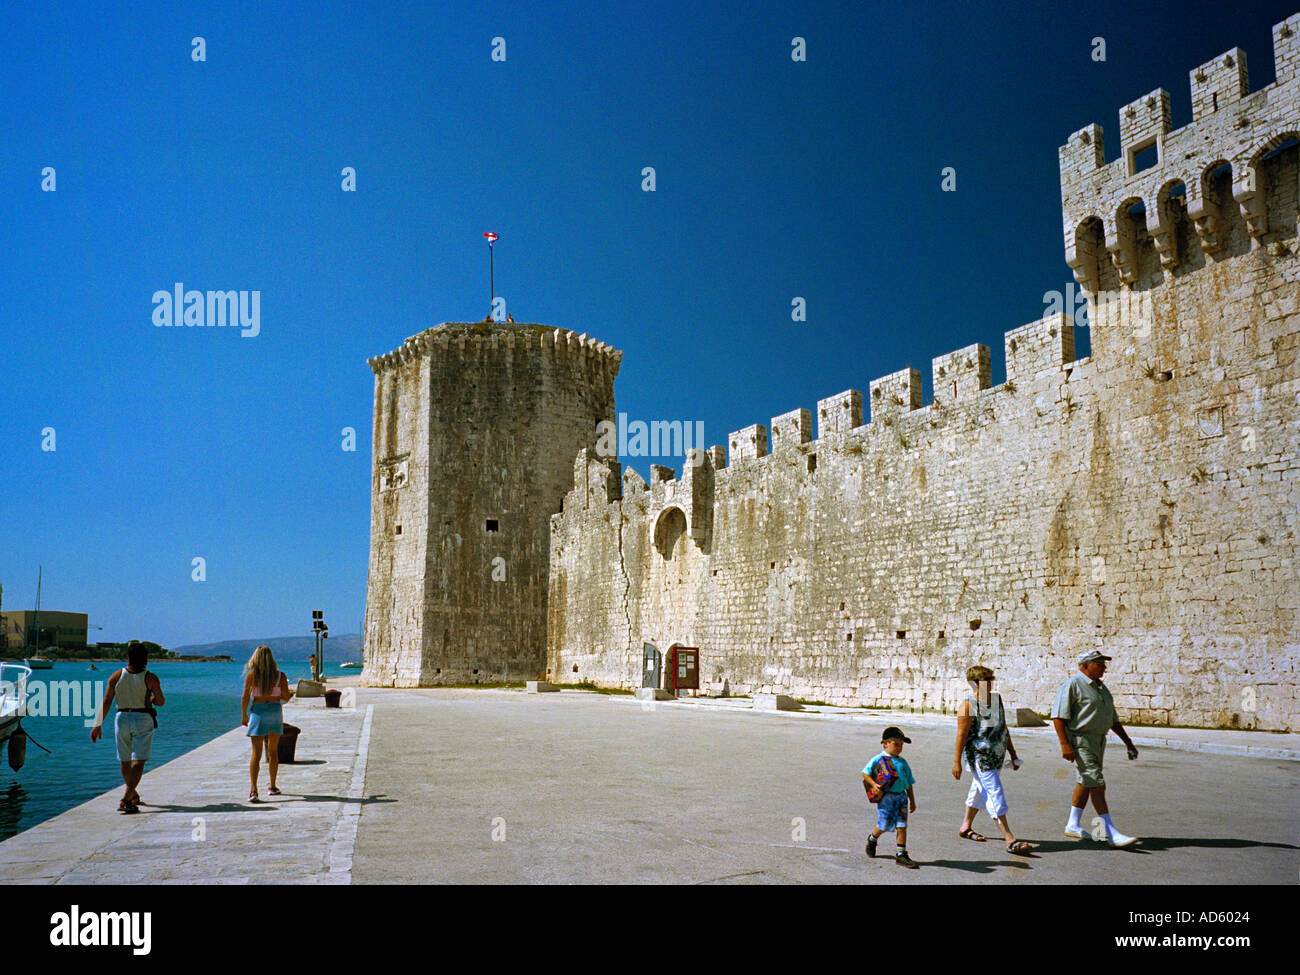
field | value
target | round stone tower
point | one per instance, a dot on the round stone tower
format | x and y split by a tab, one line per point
476	427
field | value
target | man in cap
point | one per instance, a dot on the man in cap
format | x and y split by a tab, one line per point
1084	711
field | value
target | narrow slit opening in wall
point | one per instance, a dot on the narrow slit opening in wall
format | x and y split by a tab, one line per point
900	634
772	565
399	530
849	636
812	463
491	525
941	634
575	668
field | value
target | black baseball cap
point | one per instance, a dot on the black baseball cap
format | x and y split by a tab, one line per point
892	732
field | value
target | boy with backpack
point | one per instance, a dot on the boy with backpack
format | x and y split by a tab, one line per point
888	780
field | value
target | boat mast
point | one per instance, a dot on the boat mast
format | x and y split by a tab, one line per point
36	617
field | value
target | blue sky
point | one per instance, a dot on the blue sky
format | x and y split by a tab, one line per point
774	179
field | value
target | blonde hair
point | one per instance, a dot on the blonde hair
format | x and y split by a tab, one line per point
262	666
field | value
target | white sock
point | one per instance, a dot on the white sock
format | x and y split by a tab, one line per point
1110	827
1075	813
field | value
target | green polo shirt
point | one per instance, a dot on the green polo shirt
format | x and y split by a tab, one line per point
1085	705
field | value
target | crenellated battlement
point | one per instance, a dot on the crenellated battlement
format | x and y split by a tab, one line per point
789	430
476	338
839	413
960	375
959	378
747	444
1192	183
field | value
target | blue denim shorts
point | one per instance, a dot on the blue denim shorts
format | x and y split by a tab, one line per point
892	811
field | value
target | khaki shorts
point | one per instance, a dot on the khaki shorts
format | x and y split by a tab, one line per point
1088	751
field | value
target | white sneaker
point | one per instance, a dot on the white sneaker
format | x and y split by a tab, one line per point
1074	831
1119	839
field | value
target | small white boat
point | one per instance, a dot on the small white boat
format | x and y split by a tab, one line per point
13	698
40	663
350	665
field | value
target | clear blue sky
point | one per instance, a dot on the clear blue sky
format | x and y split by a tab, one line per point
775	179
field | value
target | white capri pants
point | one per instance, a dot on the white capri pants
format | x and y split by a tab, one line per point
986	791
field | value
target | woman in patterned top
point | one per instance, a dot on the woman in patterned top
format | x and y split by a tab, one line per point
983	742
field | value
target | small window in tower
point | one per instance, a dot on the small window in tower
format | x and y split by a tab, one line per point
849	636
1146	158
900	634
491	525
812	463
399	530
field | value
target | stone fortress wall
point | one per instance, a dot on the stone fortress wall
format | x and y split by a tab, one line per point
475	430
1142	500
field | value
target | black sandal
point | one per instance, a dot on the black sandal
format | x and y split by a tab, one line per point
970	834
1020	848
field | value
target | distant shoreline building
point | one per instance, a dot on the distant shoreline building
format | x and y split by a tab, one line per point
56	629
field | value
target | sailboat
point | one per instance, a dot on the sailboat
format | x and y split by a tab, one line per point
36	661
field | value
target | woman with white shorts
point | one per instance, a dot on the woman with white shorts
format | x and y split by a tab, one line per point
983	743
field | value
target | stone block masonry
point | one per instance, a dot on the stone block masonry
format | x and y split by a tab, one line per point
475	431
1143	500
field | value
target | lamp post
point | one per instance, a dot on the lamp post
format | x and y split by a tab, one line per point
321	631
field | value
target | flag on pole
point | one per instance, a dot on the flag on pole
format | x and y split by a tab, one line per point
490	236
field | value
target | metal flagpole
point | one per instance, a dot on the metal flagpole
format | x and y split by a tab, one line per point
491	239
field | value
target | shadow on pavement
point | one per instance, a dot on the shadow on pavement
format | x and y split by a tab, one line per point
1156	843
219	807
381	797
974	866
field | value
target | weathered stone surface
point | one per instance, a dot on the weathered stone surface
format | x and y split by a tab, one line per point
776	702
476	427
1028	718
652	694
1142	500
309	688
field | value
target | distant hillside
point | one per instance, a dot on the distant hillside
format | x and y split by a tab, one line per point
346	646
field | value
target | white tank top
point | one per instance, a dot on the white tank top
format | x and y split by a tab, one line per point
131	689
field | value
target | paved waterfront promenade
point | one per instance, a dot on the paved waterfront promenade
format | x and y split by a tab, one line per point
196	825
489	786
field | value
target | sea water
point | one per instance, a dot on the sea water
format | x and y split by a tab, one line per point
202	704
